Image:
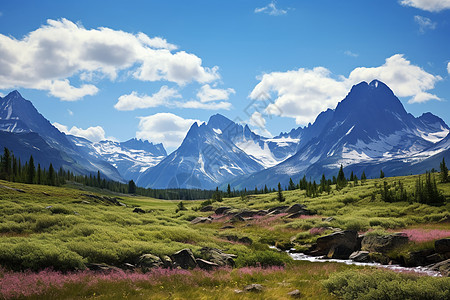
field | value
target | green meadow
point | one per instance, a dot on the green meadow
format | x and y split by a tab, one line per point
67	228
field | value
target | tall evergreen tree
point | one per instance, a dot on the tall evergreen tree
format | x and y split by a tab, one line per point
31	170
131	187
5	167
381	174
291	186
363	177
229	191
280	196
51	175
39	174
444	172
341	181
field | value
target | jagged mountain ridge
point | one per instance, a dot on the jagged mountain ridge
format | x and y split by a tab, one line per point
370	127
216	152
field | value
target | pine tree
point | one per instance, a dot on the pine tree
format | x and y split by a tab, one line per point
352	177
341	181
229	191
39	174
51	175
266	190
444	172
31	170
291	186
363	177
131	187
280	196
5	167
381	174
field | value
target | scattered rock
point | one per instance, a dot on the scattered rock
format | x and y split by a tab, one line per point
206	265
236	218
245	240
238	291
295	294
167	261
434	258
48	207
121	204
247	213
221	210
337	245
443	267
149	261
185	259
256	288
442	246
139	210
379	258
217	256
91	196
329	219
45	194
127	266
383	243
207	208
417	258
85	202
296	208
360	256
278	209
227	227
101	267
201	220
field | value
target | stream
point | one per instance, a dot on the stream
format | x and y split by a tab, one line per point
397	268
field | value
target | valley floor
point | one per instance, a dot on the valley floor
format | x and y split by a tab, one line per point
51	236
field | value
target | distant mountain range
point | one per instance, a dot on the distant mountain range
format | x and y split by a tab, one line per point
368	131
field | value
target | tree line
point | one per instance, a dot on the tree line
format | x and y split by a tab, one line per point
14	169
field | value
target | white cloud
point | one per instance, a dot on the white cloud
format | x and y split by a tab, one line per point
207	93
302	94
94	134
64	91
165	128
258	120
448	68
350	53
424	24
134	100
271	9
48	57
202	105
428	5
70	112
405	79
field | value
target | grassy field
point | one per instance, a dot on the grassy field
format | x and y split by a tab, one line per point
65	228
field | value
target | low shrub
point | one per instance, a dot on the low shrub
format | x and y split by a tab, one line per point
386	285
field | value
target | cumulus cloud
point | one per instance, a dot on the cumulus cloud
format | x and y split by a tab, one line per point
208	94
134	100
302	94
209	99
271	9
428	5
448	68
46	58
405	79
165	128
93	134
424	24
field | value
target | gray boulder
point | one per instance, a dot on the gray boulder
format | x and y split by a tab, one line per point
218	257
383	243
337	245
185	259
207	208
221	210
442	246
255	288
443	267
360	256
149	261
296	208
198	220
206	265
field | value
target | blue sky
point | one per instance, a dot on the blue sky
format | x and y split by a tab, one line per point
149	69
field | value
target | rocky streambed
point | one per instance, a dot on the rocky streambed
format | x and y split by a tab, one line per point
377	250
